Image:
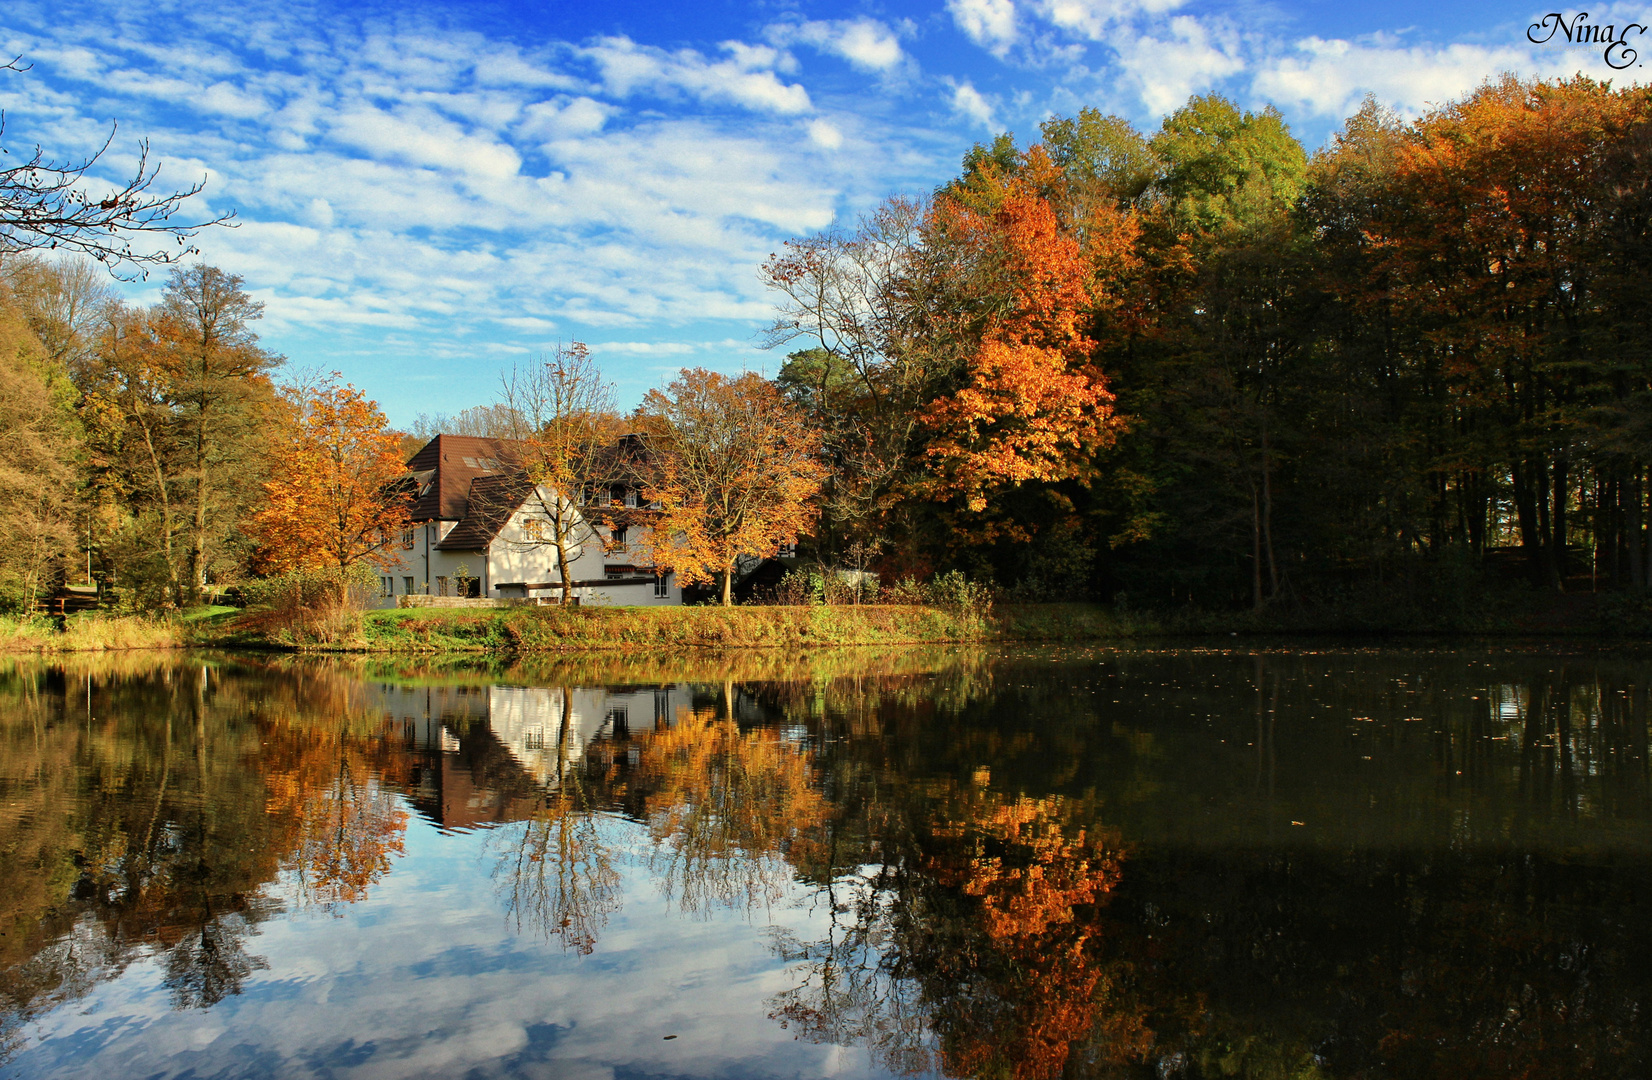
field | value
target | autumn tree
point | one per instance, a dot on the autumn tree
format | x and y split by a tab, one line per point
853	300
559	414
334	501
135	472
733	468
222	395
37	443
1031	403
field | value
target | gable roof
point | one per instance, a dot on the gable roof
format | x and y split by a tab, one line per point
452	462
491	501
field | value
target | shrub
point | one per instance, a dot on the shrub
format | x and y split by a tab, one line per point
954	589
908	590
315	606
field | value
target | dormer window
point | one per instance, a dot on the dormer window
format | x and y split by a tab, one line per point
631	498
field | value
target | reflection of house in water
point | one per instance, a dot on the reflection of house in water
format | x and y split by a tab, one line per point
487	753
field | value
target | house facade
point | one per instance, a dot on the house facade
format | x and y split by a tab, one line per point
478	530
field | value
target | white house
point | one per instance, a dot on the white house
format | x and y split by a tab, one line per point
475	533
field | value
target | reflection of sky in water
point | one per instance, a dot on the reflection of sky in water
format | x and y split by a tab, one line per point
428	978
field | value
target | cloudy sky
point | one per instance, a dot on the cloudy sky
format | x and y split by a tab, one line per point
431	192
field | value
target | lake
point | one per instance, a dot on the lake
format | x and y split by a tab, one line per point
1157	862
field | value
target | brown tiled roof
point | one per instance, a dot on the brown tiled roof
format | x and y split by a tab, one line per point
452	462
490	503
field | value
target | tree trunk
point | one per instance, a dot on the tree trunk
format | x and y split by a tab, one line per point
1267	514
172	597
1631	499
728	587
562	568
1557	518
1255	549
197	542
1531	534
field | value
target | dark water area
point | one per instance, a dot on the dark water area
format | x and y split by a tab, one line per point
1286	863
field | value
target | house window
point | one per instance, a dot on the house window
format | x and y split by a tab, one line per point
407	539
441	585
533	529
387	586
631	498
407	586
616	539
662	590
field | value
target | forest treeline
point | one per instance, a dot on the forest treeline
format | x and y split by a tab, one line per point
135	437
1204	366
1198	366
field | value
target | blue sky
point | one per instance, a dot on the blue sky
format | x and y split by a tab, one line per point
431	192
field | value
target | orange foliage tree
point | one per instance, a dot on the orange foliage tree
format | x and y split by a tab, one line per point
335	502
1032	403
734	468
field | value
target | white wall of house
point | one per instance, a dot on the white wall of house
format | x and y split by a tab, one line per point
422	568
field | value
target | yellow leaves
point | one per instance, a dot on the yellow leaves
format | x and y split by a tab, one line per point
332	502
735	470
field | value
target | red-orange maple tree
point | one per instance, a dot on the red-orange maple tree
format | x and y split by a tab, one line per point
1033	404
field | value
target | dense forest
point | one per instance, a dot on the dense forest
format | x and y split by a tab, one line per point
1204	366
1200	367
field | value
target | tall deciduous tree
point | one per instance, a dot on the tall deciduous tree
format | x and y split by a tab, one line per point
36	470
1032	404
222	394
335	501
734	468
559	413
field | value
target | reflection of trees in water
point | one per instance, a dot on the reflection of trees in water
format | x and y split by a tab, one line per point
349	828
1463	908
150	809
979	921
210	963
556	873
974	952
723	807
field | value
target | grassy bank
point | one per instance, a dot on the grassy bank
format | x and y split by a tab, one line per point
432	630
664	630
90	633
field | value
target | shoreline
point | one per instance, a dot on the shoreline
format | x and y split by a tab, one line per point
643	630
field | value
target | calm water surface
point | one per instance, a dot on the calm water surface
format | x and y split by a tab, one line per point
1154	863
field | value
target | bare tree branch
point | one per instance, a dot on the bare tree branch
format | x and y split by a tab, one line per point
45	204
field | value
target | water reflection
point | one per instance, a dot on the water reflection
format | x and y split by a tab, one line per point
1175	863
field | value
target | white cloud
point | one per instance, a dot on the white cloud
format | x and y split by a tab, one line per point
747	78
988	23
825	135
867	44
421	137
564	117
1185	57
1329	77
646	348
1093	19
969	102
